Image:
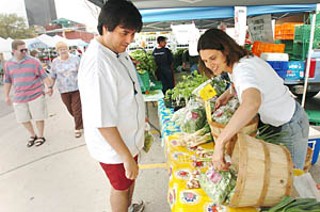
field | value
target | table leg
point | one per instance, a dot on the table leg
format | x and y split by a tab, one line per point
152	125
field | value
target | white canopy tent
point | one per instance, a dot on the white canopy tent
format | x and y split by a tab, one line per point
48	40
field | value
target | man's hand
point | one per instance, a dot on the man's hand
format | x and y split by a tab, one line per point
49	91
132	168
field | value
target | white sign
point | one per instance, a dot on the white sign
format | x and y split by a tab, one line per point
260	28
240	19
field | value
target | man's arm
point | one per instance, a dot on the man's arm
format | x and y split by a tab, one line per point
113	137
49	83
7	88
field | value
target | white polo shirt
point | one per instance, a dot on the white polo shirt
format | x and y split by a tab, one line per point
277	105
110	97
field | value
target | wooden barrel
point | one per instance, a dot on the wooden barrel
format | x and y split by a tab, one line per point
265	172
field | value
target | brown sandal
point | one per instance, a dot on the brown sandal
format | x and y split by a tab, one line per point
39	141
31	141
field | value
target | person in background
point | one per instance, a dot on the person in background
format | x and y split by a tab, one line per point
112	103
189	62
34	53
164	61
64	71
270	98
26	75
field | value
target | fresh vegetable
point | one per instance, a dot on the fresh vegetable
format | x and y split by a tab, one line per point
218	185
145	61
290	204
224	113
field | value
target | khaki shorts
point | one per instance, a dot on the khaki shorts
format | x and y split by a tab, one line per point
35	109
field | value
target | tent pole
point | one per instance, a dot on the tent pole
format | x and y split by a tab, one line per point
306	76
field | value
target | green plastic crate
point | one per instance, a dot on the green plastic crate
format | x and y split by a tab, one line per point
314	117
157	86
144	76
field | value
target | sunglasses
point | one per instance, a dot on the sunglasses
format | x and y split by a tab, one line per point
23	50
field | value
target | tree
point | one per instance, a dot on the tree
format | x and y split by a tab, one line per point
15	27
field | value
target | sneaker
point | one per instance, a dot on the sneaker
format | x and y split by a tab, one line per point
136	207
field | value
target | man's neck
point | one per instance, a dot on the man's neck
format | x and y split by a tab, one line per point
18	59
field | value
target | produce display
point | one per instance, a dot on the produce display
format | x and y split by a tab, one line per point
201	136
191	118
146	67
182	92
144	61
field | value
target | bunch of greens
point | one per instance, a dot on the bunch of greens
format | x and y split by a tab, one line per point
145	61
184	88
270	134
290	204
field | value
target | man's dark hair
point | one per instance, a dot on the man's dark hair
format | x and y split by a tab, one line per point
119	13
161	38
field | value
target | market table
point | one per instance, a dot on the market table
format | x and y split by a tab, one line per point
180	164
153	96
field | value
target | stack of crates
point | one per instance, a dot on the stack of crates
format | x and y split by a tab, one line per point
261	47
278	61
285	31
145	81
302	37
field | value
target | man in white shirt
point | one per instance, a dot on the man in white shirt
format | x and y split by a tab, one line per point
112	103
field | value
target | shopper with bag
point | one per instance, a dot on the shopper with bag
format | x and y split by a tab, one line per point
260	91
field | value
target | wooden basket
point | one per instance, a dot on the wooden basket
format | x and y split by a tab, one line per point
265	173
216	128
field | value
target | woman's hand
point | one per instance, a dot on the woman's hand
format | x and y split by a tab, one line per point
218	161
132	168
223	98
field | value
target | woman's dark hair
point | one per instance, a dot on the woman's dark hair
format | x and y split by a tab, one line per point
119	12
219	40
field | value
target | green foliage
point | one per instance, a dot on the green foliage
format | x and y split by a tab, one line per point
15	27
145	60
184	88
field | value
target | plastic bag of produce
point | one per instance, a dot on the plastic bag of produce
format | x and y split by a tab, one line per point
224	113
218	185
194	117
148	138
